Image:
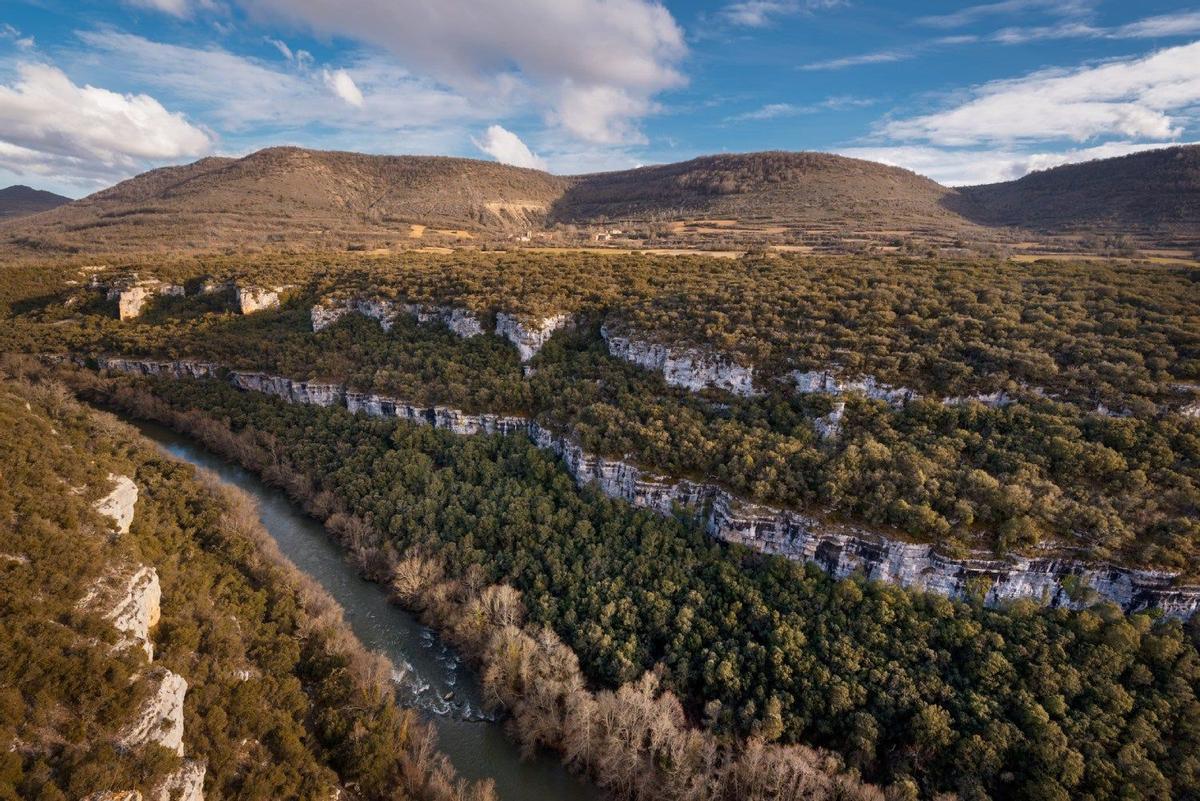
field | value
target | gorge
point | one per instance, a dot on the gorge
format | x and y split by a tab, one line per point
838	548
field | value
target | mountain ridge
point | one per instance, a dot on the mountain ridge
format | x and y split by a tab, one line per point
294	197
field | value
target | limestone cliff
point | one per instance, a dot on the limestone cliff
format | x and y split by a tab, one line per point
160	720
251	298
529	337
460	321
118	505
132	298
839	549
690	368
185	784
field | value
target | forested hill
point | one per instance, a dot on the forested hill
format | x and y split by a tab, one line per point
295	198
1156	193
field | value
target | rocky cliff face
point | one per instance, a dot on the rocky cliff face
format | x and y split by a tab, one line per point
252	298
132	298
462	322
313	393
160	720
138	608
529	338
690	368
118	504
175	369
826	382
185	784
132	602
839	549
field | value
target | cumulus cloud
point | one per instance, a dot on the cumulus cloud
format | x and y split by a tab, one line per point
1131	99
477	46
342	85
969	167
507	148
241	93
48	123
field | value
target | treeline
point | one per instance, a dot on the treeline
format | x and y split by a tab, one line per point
282	702
921	693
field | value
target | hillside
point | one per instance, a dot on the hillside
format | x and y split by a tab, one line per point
307	199
290	195
775	195
20	201
1154	195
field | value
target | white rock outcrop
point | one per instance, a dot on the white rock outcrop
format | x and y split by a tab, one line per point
691	368
160	720
118	505
530	338
185	784
460	321
839	549
253	298
828	383
132	298
137	608
114	795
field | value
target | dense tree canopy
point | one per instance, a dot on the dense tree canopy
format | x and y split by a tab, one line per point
1019	702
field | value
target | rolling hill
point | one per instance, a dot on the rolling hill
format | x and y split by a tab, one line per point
21	201
291	197
1152	195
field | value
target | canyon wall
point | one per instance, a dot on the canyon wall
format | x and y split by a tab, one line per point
839	549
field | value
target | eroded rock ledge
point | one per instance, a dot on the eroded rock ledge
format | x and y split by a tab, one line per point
691	368
839	549
527	336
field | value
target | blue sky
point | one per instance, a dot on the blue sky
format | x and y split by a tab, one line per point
92	92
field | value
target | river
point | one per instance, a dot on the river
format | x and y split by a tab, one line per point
428	674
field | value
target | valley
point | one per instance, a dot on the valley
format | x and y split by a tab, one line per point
837	487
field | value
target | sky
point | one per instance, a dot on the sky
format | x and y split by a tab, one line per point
94	92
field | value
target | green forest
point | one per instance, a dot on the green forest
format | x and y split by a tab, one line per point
1042	472
282	702
913	690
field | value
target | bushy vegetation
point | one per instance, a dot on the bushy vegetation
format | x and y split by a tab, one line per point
1010	479
282	701
916	690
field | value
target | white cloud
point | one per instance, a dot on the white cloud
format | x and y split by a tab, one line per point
176	8
760	13
619	52
342	85
772	111
1131	99
13	35
969	167
1183	24
507	148
972	14
246	94
879	57
48	124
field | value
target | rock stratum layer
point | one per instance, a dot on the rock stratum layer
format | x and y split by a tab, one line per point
839	549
